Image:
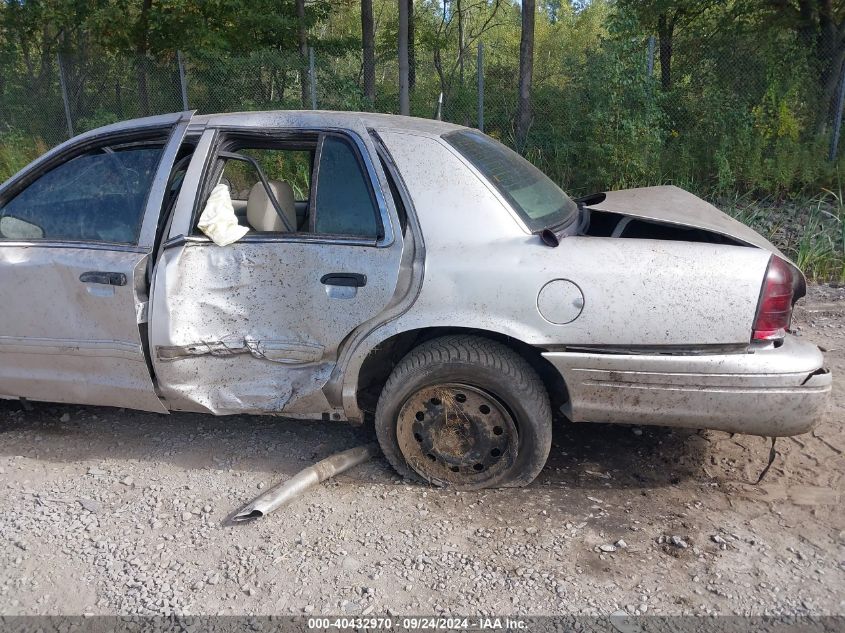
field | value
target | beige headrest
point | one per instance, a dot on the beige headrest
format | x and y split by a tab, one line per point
260	212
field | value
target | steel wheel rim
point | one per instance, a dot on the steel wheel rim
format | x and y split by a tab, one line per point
456	434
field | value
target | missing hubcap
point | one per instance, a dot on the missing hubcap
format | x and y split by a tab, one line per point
456	434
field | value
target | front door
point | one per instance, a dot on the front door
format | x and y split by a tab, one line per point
255	326
75	234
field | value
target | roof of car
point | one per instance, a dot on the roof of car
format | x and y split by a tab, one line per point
302	119
319	118
269	119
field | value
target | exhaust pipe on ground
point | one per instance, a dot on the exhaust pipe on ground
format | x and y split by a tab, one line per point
303	480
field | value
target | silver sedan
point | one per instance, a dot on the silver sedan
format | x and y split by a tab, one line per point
412	273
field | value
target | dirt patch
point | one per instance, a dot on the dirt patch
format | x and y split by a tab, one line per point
126	508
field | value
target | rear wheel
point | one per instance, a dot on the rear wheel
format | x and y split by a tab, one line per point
465	411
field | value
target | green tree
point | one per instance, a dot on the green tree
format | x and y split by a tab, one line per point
820	27
526	69
665	17
369	50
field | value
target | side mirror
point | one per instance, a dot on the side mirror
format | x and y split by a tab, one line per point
15	228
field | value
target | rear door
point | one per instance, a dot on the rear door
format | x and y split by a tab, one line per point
255	326
76	231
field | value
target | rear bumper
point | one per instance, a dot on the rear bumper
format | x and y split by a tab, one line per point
773	391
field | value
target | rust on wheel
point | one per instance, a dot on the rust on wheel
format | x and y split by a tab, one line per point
455	434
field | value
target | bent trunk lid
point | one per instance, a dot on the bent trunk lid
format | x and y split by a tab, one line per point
672	205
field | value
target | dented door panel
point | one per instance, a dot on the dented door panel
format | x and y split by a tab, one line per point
250	327
255	327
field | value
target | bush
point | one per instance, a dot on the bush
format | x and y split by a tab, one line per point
17	150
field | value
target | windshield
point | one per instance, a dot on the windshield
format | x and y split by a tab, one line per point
538	200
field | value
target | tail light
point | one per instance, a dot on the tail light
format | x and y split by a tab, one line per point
774	311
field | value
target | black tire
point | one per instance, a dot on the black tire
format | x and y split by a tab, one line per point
482	365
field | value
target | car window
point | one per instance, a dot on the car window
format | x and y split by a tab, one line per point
332	193
401	211
98	196
344	201
532	194
291	166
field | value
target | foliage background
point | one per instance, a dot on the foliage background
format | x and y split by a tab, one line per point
746	117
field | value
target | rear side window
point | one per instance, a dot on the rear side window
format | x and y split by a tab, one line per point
344	199
397	197
537	199
95	197
290	165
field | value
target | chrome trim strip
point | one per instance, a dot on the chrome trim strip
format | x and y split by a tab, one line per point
69	244
284	352
273	238
714	389
71	347
655	350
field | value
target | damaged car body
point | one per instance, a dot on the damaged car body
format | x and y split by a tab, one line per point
415	271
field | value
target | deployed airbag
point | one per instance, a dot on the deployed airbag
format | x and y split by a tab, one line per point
218	220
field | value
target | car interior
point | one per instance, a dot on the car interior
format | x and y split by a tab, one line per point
313	182
288	167
288	173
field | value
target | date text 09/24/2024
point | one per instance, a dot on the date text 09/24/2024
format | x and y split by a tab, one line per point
418	623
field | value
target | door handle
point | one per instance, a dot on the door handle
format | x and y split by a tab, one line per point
98	277
354	280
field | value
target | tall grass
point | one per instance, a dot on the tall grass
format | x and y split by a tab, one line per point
816	252
838	213
808	229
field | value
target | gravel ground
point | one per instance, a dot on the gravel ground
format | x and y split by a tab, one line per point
109	511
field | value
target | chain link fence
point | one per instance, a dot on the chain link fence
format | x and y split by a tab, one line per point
617	116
